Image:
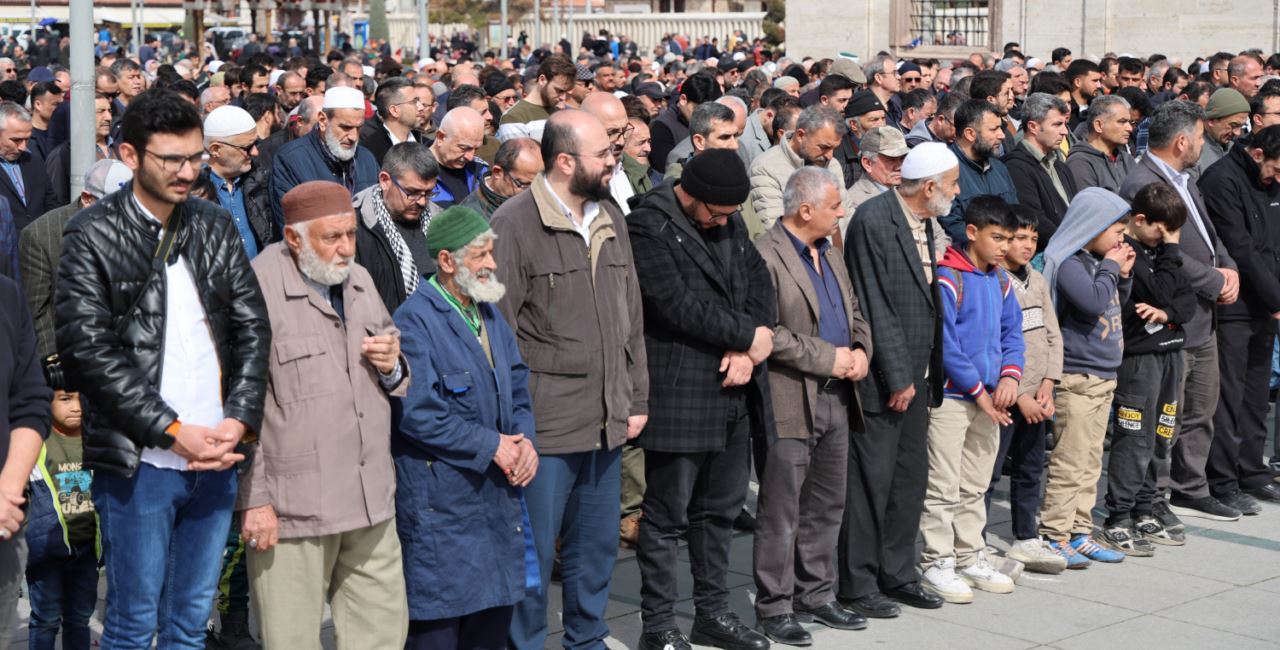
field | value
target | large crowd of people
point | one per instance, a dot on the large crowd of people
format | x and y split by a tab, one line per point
415	340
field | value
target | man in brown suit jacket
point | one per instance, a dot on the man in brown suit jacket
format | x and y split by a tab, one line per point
822	345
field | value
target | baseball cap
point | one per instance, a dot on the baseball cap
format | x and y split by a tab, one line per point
105	177
884	140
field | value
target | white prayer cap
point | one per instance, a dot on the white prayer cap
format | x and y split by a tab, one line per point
275	76
1034	64
343	97
422	63
226	121
928	159
214	66
368	70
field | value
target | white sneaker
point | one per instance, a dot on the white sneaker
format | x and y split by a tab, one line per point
981	575
1005	564
940	578
1036	555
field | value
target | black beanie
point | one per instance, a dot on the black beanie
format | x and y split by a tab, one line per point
716	177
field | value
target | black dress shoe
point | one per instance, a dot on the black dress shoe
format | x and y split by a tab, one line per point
727	631
665	640
832	615
914	595
1269	492
874	606
744	522
784	629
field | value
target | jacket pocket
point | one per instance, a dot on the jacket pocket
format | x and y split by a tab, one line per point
294	484
302	369
460	391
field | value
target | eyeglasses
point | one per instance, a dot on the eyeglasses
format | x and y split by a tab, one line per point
598	156
623	133
415	101
111	95
244	150
717	215
519	184
415	196
174	163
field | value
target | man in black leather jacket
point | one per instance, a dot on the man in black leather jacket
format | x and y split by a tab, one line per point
163	329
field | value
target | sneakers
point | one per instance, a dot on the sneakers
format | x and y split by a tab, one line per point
1074	560
1121	537
941	579
981	575
1247	505
1160	510
1150	528
1036	556
1005	564
1084	545
1204	508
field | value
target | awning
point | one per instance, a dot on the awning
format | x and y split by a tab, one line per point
151	17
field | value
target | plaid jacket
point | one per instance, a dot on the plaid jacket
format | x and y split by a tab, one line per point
897	300
695	309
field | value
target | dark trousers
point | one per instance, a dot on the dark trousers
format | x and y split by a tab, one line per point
888	475
1144	425
1199	399
801	503
696	495
482	630
1022	446
63	595
1240	430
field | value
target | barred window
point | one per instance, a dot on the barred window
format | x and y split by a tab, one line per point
957	23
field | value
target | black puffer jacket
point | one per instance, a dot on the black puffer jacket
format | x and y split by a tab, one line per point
114	358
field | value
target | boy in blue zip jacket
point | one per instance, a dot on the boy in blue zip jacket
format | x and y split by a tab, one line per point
62	535
982	356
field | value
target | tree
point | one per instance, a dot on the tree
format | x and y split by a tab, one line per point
378	29
774	19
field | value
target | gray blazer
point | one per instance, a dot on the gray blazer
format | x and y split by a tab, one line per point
905	317
1197	255
754	140
801	359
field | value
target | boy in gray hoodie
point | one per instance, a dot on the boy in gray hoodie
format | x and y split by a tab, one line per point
1087	265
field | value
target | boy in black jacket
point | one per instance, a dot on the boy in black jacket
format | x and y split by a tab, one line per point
1148	382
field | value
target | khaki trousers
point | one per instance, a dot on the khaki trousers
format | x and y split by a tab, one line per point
358	572
1083	404
963	442
632	479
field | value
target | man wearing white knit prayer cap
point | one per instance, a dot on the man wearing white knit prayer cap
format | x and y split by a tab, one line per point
890	252
231	141
331	152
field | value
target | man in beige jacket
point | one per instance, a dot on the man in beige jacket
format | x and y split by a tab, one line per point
812	143
319	501
821	347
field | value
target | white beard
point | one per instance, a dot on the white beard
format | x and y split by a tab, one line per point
470	284
320	271
337	150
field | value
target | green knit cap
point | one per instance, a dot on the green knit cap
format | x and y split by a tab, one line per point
454	228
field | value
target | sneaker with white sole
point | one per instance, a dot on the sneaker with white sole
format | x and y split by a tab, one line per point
981	575
1086	546
941	579
1074	559
1122	537
1036	556
1005	564
1153	530
1171	523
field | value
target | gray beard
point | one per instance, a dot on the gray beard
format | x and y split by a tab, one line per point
337	150
320	271
471	286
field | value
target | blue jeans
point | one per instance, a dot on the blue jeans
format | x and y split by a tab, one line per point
63	595
576	498
163	532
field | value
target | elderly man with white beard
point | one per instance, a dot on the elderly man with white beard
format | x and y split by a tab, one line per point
319	499
463	447
331	152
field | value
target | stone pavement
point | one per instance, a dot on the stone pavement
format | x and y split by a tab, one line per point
1221	590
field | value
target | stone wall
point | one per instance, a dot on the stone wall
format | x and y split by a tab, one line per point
1177	28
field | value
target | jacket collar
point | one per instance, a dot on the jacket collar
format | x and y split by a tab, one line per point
553	218
785	243
295	286
461	331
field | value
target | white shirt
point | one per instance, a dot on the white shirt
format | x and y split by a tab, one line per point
394	140
1179	182
590	209
190	375
621	189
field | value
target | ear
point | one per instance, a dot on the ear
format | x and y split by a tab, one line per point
292	239
699	142
130	156
444	261
971	231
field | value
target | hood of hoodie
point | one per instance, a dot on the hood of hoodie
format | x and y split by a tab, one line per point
1083	148
957	259
1092	211
661	198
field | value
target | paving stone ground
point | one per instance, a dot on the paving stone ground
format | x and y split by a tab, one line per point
1221	590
